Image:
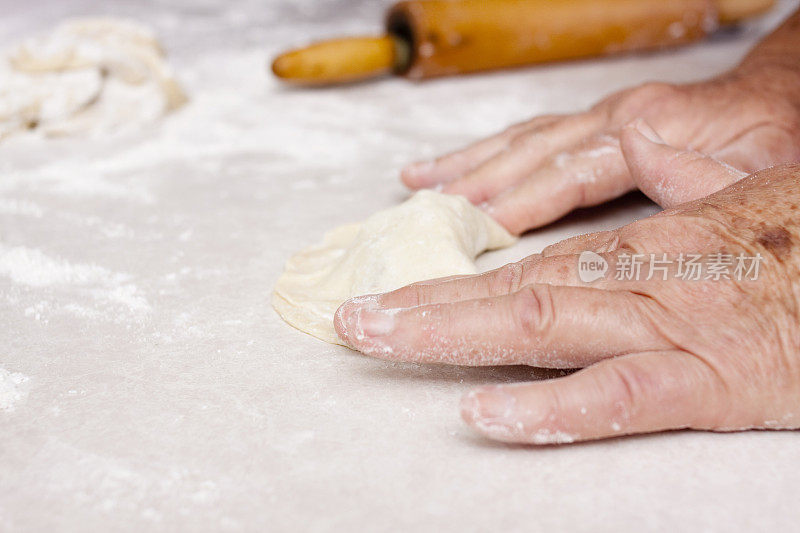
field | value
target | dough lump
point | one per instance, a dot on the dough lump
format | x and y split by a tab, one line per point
89	75
430	235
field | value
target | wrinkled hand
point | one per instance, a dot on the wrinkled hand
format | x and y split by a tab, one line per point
660	354
537	171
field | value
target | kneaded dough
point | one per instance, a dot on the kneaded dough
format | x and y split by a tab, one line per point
431	235
88	75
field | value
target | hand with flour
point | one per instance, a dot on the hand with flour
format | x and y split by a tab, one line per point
537	171
721	352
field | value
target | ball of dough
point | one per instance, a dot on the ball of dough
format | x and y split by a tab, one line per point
86	76
431	235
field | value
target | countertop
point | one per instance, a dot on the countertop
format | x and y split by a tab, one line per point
147	384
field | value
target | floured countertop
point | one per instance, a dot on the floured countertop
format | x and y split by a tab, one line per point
147	384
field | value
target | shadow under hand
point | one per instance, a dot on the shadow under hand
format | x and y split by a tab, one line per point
483	375
479	441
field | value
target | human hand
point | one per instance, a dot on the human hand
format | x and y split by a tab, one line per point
660	354
535	172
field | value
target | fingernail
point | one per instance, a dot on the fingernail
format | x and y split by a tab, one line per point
648	132
373	323
346	319
490	405
345	311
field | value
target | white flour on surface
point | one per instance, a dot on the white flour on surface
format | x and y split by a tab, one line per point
33	268
13	389
165	393
11	206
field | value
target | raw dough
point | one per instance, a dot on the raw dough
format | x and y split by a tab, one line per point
429	236
86	76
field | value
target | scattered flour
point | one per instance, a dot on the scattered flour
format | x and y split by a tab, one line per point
10	206
78	178
33	268
13	389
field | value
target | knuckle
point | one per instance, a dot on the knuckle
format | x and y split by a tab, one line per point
414	295
554	406
794	125
600	242
771	110
508	279
515	129
533	311
781	136
630	242
643	100
559	248
655	89
606	242
630	385
634	388
666	232
523	140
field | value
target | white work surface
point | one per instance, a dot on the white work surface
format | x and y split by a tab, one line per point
147	384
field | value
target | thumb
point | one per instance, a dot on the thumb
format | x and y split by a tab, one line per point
637	393
667	175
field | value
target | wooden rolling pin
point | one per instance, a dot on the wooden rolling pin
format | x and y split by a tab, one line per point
428	38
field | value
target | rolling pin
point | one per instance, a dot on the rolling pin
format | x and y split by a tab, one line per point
429	38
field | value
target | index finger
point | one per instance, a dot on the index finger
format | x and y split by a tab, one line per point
542	325
454	165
